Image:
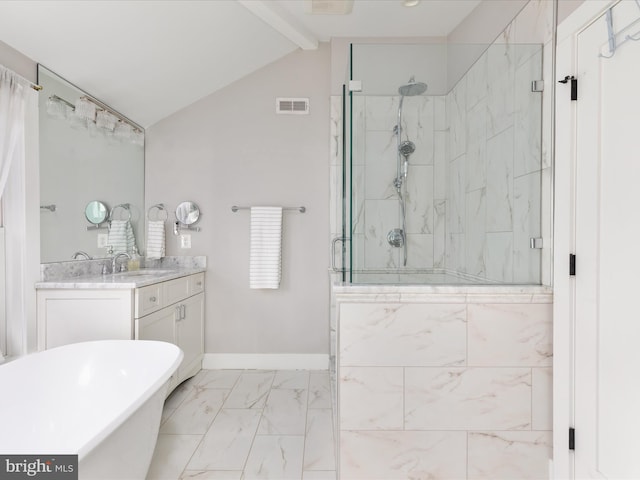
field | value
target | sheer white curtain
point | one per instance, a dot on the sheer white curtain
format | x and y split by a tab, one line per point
12	101
14	92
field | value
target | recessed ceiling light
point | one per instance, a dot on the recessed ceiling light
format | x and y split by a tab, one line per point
410	3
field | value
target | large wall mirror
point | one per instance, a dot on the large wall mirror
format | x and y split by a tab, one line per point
83	163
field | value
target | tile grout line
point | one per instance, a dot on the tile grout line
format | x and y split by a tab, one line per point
306	425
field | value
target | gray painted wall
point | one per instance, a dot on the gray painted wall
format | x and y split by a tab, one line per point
232	149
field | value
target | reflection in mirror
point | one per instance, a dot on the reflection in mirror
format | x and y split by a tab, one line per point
187	213
81	160
95	212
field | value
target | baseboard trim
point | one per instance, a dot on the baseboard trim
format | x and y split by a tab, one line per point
268	361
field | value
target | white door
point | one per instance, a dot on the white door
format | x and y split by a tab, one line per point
607	319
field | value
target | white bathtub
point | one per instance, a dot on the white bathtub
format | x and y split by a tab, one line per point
101	400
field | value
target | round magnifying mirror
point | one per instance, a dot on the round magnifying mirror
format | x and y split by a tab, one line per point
96	212
187	213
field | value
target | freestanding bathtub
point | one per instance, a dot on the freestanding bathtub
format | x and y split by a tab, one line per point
101	400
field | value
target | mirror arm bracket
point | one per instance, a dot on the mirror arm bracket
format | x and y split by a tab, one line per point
99	226
179	226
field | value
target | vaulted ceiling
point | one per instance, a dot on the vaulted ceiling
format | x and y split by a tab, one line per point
150	58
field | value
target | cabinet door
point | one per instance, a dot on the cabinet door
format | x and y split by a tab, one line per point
158	326
189	335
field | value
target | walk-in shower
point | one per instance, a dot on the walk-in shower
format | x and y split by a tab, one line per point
441	200
444	184
396	236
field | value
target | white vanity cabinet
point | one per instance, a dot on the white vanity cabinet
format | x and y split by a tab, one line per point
171	311
80	315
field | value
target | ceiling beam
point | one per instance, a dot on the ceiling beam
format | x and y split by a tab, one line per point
279	19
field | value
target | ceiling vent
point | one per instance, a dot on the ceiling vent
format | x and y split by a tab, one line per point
331	7
293	106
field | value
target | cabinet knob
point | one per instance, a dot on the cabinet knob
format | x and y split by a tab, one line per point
152	299
199	284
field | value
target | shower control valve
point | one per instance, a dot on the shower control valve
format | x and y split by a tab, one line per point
395	237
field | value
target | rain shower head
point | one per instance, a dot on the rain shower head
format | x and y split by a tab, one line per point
412	88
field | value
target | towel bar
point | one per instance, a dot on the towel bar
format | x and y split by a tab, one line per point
235	208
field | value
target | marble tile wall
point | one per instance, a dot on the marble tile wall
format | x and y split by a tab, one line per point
473	191
375	200
456	390
494	166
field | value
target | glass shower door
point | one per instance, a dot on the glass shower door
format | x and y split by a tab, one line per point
468	209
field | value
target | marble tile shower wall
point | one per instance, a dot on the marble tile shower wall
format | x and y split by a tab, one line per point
448	386
494	167
376	206
473	190
480	179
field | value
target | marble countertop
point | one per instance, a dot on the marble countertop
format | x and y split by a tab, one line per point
443	293
124	280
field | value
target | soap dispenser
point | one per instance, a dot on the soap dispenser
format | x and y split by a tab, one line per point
134	261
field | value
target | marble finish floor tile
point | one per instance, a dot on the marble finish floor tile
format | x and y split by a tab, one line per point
171	456
319	475
196	412
227	443
291	379
210	475
275	456
244	424
319	453
319	391
251	390
284	413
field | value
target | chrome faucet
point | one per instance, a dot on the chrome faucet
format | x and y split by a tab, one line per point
114	262
80	253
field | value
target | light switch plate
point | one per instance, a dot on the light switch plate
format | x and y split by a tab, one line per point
103	238
185	241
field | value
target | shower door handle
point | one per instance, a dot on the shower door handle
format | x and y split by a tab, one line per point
334	242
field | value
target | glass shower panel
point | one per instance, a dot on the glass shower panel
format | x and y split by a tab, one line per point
453	174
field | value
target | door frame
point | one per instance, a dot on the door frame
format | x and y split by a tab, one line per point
564	233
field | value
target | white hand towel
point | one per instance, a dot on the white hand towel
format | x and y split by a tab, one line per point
265	259
155	239
121	236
